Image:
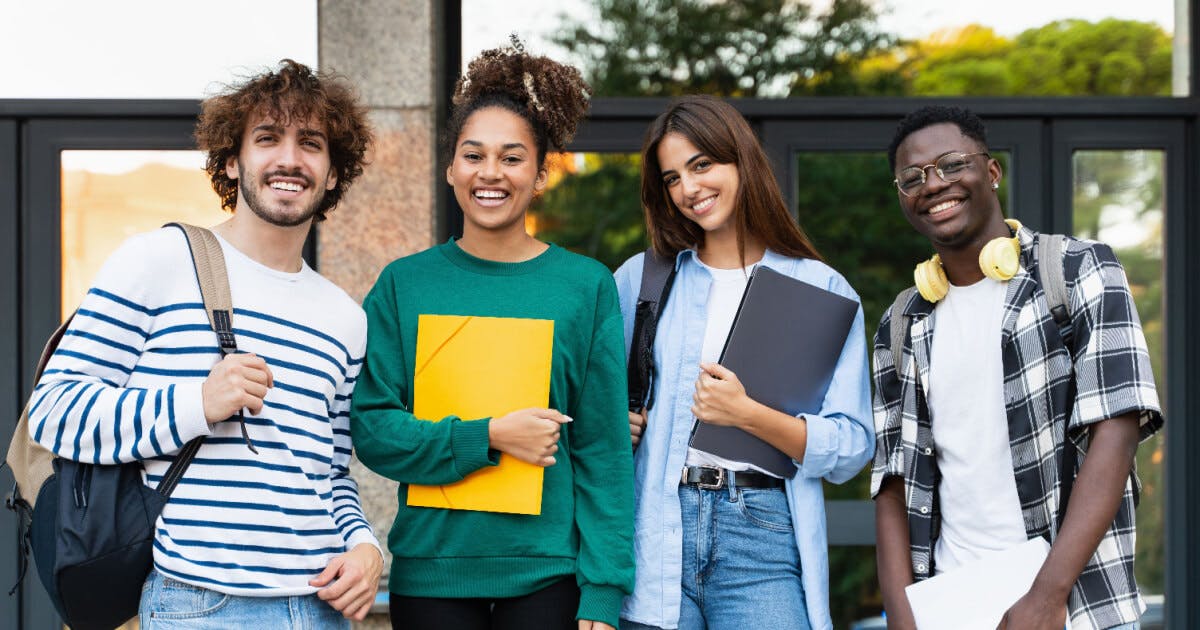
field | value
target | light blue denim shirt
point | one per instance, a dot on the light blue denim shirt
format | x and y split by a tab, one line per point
841	437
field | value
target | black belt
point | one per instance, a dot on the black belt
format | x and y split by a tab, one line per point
717	478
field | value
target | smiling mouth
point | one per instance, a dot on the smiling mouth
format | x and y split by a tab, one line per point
705	204
490	197
287	186
944	206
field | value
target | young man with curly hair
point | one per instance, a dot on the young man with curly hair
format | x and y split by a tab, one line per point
265	528
1000	417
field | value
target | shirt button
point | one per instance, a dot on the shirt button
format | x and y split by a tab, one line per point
928	451
924	509
920	568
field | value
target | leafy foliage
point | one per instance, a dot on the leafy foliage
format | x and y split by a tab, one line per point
748	48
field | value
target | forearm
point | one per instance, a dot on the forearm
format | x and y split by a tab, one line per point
892	553
82	419
397	445
786	433
1094	501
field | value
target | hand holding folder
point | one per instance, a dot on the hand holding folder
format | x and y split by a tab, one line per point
479	367
784	347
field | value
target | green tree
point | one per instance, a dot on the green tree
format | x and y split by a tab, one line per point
747	48
596	211
1074	57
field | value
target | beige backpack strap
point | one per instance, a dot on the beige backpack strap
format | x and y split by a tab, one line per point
209	262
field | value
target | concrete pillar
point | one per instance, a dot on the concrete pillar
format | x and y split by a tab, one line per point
388	49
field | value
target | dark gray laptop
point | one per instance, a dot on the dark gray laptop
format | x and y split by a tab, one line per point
784	346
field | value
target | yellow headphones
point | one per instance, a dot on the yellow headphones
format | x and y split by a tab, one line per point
999	260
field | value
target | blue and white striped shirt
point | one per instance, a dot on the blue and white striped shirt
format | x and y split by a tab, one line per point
125	385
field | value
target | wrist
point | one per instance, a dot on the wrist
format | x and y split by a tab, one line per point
1051	590
751	414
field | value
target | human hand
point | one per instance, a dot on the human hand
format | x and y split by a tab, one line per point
355	576
530	435
587	624
1035	611
637	426
237	381
720	397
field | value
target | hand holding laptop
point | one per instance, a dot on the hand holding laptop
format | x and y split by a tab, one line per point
720	397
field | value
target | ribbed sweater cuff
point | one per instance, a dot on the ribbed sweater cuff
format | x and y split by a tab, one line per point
469	442
189	412
600	603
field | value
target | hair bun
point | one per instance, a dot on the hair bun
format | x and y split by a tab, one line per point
554	94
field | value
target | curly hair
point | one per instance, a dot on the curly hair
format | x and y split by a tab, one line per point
967	122
552	97
293	93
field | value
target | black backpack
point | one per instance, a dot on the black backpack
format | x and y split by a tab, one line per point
91	527
658	274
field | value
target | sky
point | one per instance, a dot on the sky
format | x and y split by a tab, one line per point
190	48
146	48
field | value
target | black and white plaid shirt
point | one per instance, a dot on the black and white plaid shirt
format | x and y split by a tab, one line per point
1112	377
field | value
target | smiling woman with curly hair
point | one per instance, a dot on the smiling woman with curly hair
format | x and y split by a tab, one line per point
572	558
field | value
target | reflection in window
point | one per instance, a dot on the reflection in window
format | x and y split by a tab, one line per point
592	206
1119	200
108	196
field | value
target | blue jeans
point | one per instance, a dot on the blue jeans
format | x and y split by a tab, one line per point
168	604
741	566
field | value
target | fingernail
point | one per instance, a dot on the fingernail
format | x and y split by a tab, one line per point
569	418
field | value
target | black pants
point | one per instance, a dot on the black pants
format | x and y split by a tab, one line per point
551	608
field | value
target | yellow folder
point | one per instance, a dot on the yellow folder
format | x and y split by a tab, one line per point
477	367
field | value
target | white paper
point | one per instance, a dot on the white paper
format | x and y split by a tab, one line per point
975	596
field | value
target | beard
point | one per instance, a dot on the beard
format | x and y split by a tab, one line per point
279	215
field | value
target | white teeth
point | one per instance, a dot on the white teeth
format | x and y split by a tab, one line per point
286	186
704	205
491	194
945	205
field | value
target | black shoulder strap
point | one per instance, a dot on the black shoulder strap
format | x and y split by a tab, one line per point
658	274
209	263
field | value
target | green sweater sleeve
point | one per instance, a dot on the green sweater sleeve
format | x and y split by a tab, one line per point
387	437
602	457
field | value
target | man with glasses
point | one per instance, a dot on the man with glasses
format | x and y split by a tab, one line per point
971	405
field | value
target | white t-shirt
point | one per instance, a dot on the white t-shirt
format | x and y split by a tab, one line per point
977	494
724	296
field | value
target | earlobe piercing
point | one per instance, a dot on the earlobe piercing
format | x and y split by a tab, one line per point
995	185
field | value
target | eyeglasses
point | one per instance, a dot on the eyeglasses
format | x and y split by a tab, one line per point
949	167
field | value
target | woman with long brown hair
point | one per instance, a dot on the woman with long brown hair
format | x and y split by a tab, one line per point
720	542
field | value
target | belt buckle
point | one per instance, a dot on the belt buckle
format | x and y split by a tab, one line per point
714	486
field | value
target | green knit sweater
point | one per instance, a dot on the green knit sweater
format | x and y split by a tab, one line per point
585	529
